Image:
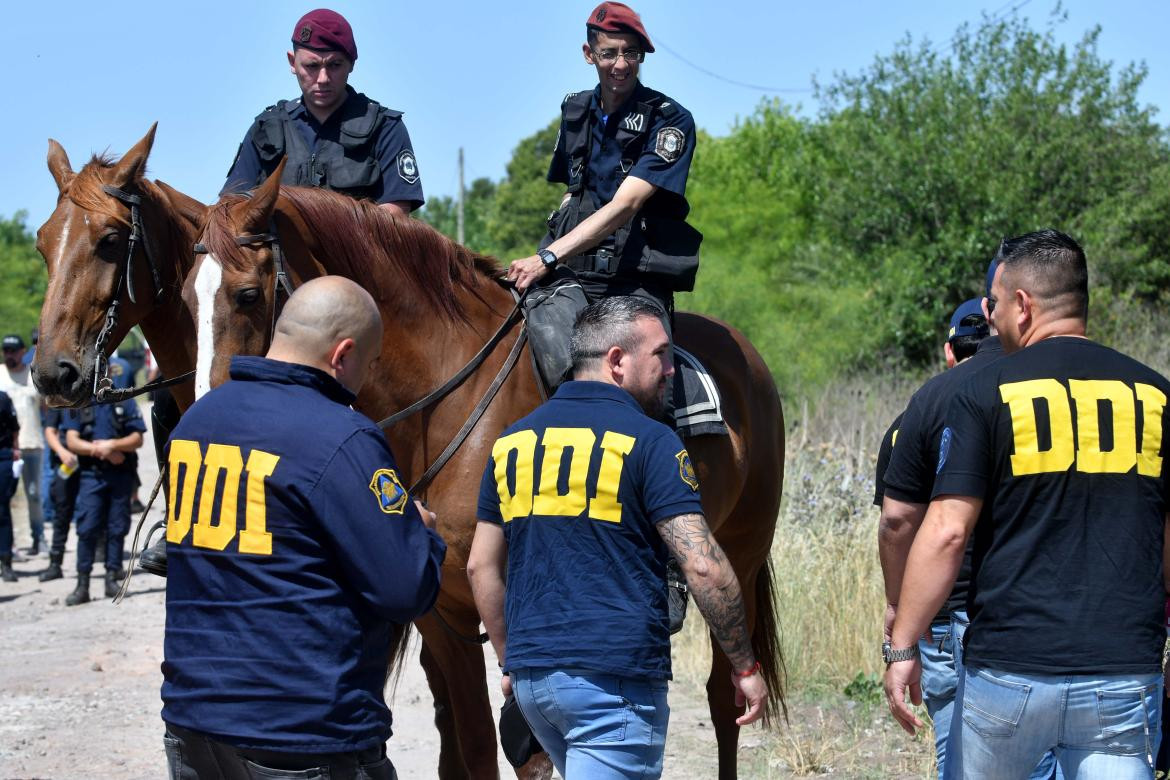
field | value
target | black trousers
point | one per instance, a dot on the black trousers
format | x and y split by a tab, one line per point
192	755
63	493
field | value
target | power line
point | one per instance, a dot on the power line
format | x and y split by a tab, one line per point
1007	8
660	45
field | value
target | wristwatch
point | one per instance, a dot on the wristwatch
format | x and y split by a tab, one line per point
547	257
892	656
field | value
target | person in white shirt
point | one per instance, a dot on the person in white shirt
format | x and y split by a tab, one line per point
16	381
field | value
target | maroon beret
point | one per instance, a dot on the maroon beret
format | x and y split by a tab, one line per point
619	18
325	30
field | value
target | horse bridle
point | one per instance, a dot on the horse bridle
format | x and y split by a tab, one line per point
103	386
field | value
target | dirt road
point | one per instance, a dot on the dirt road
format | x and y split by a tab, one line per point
79	686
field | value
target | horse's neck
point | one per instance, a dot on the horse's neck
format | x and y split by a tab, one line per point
168	326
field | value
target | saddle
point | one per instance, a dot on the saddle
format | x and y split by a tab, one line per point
550	312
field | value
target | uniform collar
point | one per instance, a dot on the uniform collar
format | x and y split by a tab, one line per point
296	108
585	389
634	99
248	368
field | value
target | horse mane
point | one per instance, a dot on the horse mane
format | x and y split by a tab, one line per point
378	250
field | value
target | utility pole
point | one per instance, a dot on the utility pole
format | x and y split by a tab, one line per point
459	206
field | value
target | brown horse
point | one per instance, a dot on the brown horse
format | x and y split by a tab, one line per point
86	246
439	302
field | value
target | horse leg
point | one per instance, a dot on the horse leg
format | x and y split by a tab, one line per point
461	664
450	755
721	700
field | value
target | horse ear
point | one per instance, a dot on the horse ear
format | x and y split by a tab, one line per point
133	163
59	165
256	212
184	205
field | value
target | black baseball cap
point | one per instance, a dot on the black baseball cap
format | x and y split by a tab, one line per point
12	341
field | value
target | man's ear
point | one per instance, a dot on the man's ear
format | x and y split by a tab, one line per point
949	354
588	52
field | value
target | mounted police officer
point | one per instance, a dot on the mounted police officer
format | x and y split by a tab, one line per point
623	153
334	137
105	438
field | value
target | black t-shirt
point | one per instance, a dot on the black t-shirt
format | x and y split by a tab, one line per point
8	424
914	461
1064	441
883	460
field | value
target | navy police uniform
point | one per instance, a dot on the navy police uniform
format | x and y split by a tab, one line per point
651	137
362	149
579	487
8	429
293	550
104	489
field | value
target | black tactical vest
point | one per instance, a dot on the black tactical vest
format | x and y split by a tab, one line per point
87	418
348	166
632	253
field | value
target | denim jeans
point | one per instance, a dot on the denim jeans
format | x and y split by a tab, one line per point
192	755
30	478
48	472
1046	768
939	685
595	725
1098	726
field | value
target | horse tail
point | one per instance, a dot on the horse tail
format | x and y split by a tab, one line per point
766	645
399	643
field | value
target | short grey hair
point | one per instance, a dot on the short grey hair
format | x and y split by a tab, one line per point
606	324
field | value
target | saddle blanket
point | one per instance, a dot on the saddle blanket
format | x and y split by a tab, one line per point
697	410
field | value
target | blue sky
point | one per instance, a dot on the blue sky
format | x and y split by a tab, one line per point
480	75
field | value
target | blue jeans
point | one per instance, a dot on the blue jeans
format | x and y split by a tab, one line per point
939	685
30	478
1045	769
595	725
47	473
1099	726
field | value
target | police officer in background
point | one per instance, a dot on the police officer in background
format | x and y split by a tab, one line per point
105	439
9	428
581	625
62	490
295	552
623	152
334	137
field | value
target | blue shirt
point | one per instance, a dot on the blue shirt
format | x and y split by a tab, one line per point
281	593
579	487
109	421
662	156
392	149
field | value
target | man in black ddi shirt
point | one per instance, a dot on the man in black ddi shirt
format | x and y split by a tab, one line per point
1053	458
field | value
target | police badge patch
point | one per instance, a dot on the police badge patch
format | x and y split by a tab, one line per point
944	448
670	144
686	471
389	491
407	167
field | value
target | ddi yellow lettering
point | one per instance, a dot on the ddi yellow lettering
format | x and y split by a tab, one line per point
222	463
1086	399
552	446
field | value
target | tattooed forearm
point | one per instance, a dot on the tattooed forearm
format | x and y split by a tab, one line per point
712	583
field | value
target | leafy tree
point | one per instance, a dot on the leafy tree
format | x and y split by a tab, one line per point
518	215
440	213
931	157
23	272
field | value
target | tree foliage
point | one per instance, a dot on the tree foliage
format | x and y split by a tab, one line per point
23	272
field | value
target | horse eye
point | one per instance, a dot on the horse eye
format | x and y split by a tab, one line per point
107	246
248	296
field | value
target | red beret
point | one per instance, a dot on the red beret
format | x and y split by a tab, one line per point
619	18
325	30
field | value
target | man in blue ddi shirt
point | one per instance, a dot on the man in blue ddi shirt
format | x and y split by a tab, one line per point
582	502
1054	457
296	558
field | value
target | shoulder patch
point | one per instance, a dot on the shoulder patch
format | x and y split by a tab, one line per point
407	166
686	471
670	144
387	488
944	448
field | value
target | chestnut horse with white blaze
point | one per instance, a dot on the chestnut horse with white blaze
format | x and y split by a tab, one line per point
439	304
114	239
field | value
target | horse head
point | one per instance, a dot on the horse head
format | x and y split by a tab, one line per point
110	250
231	289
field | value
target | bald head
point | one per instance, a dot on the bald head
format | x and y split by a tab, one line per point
332	324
